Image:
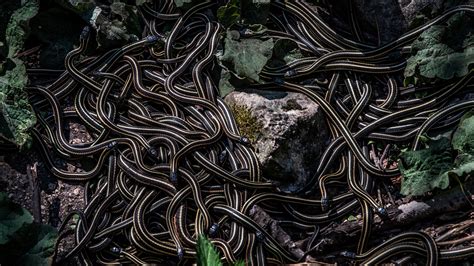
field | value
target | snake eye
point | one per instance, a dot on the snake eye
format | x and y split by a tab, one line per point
244	140
382	212
116	250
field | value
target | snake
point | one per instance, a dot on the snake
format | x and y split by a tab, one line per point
170	162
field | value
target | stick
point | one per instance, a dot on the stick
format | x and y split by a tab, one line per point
32	173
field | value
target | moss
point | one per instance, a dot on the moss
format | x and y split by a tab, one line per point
248	124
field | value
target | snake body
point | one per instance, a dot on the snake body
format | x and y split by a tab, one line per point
171	163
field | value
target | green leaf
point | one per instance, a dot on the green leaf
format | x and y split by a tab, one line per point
141	2
443	51
243	58
207	254
424	170
16	115
229	14
246	57
17	28
463	143
284	51
12	218
181	3
44	239
351	218
225	86
463	137
239	263
23	242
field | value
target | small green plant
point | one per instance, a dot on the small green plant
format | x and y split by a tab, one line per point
207	254
432	168
248	124
16	114
23	242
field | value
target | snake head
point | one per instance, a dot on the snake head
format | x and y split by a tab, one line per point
290	73
86	31
152	152
174	178
111	145
222	156
96	73
260	236
348	254
324	203
382	212
152	39
244	140
115	250
180	253
214	229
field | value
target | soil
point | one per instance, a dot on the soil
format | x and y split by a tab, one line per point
58	198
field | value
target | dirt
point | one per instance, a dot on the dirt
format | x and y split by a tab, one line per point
57	198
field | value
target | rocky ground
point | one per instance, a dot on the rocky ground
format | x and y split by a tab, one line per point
27	182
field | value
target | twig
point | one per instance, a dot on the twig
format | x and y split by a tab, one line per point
455	231
379	195
27	52
388	193
374	156
265	221
456	241
398	216
384	155
32	173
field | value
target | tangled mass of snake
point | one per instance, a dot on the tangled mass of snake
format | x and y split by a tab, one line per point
170	163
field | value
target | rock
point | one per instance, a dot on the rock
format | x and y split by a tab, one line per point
387	15
395	17
116	25
412	8
292	137
413	208
76	191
